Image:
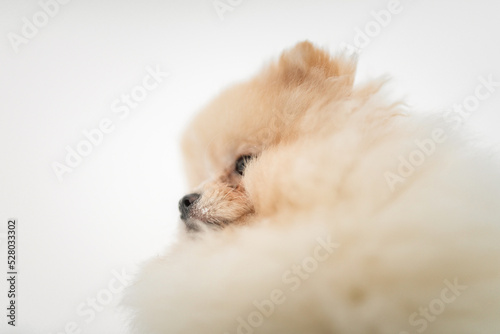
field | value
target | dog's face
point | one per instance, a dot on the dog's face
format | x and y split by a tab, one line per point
229	147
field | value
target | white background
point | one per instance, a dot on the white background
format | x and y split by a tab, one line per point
119	206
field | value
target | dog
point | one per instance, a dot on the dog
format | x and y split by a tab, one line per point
322	206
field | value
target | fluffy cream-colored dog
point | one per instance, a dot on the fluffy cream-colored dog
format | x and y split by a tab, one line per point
318	206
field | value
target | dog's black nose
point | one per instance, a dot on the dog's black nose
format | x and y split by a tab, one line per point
186	204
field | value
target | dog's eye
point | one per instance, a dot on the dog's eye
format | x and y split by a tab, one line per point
241	163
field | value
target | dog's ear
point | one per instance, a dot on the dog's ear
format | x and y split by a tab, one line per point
304	62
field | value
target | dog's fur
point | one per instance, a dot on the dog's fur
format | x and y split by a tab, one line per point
323	152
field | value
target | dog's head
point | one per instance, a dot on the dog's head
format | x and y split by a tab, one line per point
224	144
